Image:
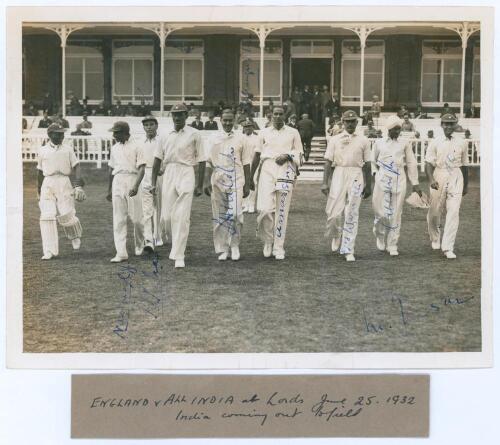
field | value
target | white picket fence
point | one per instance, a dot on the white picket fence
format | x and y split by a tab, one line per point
96	150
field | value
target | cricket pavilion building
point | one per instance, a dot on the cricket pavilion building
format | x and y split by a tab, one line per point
411	63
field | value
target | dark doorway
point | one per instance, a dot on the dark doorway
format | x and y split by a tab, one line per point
311	72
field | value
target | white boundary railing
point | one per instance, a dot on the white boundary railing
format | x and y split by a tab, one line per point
94	149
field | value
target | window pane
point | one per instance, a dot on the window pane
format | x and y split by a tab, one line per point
476	88
372	86
350	79
452	47
93	65
301	47
442	47
252	47
373	66
182	47
322	47
193	78
74	83
129	47
272	78
431	80
250	77
173	77
94	86
477	49
74	65
83	48
123	77
143	70
452	80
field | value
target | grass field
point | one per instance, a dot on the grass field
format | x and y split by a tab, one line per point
313	301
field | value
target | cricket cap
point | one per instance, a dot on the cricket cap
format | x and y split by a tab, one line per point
55	128
349	115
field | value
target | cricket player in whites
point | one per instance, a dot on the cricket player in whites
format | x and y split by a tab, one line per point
251	139
127	167
390	155
228	182
56	162
151	204
348	155
180	152
446	163
277	159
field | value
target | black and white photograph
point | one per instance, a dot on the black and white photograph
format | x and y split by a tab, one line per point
281	182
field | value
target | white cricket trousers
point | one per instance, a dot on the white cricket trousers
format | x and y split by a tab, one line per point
124	207
151	208
177	197
388	201
447	197
273	206
227	215
56	201
344	197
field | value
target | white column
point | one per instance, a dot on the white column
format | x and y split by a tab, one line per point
362	77
63	47
462	80
162	37
261	76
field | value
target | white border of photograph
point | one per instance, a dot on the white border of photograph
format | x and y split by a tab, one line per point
16	358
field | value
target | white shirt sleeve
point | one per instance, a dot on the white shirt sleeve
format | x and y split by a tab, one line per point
72	158
330	149
465	153
200	153
139	157
247	151
111	162
431	153
411	164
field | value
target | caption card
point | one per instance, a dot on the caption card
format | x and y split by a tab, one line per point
193	406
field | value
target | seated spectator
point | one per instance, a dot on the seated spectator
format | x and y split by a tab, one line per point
74	108
143	110
45	121
86	123
80	132
407	125
210	124
375	110
430	134
100	110
117	110
48	103
31	110
446	109
197	123
130	110
59	119
467	134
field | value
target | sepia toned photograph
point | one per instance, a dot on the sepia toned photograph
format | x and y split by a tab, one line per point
290	184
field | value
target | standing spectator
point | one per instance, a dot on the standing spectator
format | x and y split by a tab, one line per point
316	107
297	99
48	103
375	107
45	121
118	109
407	125
446	109
334	105
306	131
211	124
326	99
307	97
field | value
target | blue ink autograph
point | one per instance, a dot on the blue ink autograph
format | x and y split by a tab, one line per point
144	297
351	218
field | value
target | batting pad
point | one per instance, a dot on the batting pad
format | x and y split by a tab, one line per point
50	238
71	225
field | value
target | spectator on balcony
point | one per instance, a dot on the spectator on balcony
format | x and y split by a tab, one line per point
407	125
80	131
430	134
467	134
117	110
197	123
446	109
143	110
45	121
59	119
130	110
375	109
100	110
48	103
74	108
85	106
210	124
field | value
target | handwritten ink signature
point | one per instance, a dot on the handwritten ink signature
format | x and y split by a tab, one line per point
351	218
